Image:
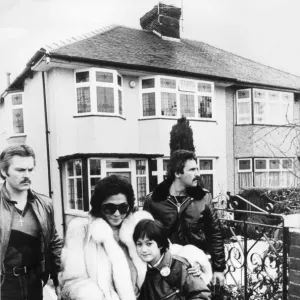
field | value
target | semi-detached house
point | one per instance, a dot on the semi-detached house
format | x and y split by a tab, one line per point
105	103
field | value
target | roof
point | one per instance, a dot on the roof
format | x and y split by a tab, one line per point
137	49
144	49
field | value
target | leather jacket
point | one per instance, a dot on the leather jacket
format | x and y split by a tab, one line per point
170	280
51	244
194	222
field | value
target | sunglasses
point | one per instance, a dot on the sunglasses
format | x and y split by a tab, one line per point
110	208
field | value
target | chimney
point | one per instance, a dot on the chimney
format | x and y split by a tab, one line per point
8	79
163	20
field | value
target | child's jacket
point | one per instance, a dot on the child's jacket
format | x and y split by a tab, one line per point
170	280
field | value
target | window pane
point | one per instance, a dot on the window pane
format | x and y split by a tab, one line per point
126	175
77	167
207	181
104	77
18	121
206	164
148	83
187	85
16	99
168	104
245	180
149	104
244	112
274	179
93	182
141	190
244	94
165	164
204	87
261	164
287	164
187	105
120	102
261	179
274	164
153	165
95	167
244	164
119	80
140	167
273	96
79	201
83	100
276	114
204	107
259	94
71	193
82	77
117	164
70	168
105	99
260	112
153	182
168	83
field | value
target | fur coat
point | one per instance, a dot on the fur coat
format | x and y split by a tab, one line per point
94	266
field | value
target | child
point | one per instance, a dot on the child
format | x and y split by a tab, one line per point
167	276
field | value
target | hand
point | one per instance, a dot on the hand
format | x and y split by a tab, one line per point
218	278
58	291
195	270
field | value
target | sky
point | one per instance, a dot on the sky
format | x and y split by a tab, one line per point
266	31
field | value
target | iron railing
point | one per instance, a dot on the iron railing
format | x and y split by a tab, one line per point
256	249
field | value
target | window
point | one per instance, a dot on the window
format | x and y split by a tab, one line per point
268	172
99	91
82	175
206	169
167	97
74	182
17	113
269	107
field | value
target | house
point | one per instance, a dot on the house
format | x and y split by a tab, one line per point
105	103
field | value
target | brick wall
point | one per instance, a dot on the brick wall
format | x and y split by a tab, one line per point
294	266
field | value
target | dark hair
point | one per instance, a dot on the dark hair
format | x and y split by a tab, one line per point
177	162
110	186
11	151
153	230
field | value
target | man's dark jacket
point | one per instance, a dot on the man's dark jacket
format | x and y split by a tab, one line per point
51	244
196	222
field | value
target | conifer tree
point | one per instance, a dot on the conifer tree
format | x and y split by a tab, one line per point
181	136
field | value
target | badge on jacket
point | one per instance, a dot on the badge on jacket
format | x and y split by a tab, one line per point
165	271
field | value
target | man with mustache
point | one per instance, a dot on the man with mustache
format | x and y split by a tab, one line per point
29	245
186	210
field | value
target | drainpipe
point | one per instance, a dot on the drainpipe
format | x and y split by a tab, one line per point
62	198
47	135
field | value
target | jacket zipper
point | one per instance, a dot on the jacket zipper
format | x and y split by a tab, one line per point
172	294
178	206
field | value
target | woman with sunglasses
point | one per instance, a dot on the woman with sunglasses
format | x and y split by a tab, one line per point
99	260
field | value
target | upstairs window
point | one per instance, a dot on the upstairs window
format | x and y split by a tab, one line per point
99	91
17	113
170	97
267	107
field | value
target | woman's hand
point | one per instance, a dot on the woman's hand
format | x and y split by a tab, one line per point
195	269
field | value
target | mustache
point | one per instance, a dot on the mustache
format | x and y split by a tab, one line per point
26	181
197	178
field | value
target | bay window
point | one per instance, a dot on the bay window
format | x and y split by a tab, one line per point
169	97
99	91
269	107
17	104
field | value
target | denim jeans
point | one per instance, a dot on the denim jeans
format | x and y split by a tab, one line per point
25	287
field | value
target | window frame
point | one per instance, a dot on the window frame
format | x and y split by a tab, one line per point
158	89
208	172
284	99
93	84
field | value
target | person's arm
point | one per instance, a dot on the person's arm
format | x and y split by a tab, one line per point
194	287
215	236
74	281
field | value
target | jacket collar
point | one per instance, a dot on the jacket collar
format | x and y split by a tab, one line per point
6	196
166	261
161	192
